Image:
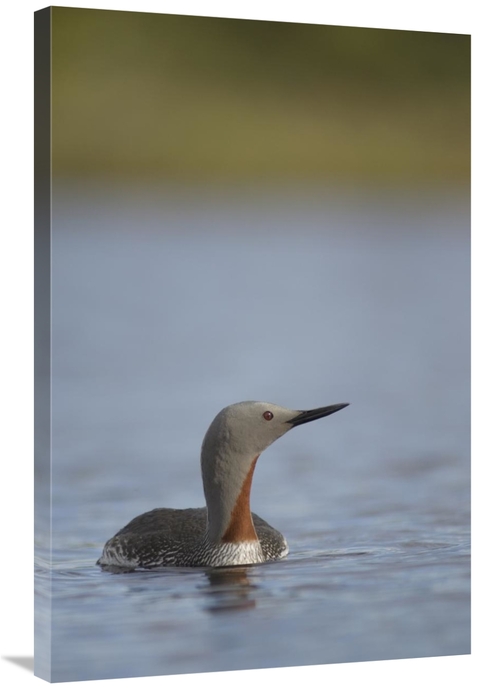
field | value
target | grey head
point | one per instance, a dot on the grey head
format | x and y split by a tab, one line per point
230	449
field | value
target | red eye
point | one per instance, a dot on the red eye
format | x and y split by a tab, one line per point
268	415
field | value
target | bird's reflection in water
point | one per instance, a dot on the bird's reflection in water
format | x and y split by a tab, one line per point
229	590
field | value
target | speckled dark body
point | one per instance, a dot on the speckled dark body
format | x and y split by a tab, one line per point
168	537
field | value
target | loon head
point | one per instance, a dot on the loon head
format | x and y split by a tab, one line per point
235	439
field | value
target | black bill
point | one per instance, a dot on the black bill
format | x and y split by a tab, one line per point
313	414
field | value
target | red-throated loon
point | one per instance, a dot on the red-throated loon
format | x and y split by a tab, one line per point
225	532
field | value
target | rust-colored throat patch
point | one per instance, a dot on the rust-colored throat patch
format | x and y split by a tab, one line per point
241	526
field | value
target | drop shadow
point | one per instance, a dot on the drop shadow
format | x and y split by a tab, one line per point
26	662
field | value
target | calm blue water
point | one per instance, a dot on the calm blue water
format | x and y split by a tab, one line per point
168	307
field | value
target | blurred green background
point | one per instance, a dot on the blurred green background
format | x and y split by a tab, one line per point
194	99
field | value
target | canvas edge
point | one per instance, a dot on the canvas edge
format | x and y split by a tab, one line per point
42	342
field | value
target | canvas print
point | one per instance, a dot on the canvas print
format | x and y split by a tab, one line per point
252	377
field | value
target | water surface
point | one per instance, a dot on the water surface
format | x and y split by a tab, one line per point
167	308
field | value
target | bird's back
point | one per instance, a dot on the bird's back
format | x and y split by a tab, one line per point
172	537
